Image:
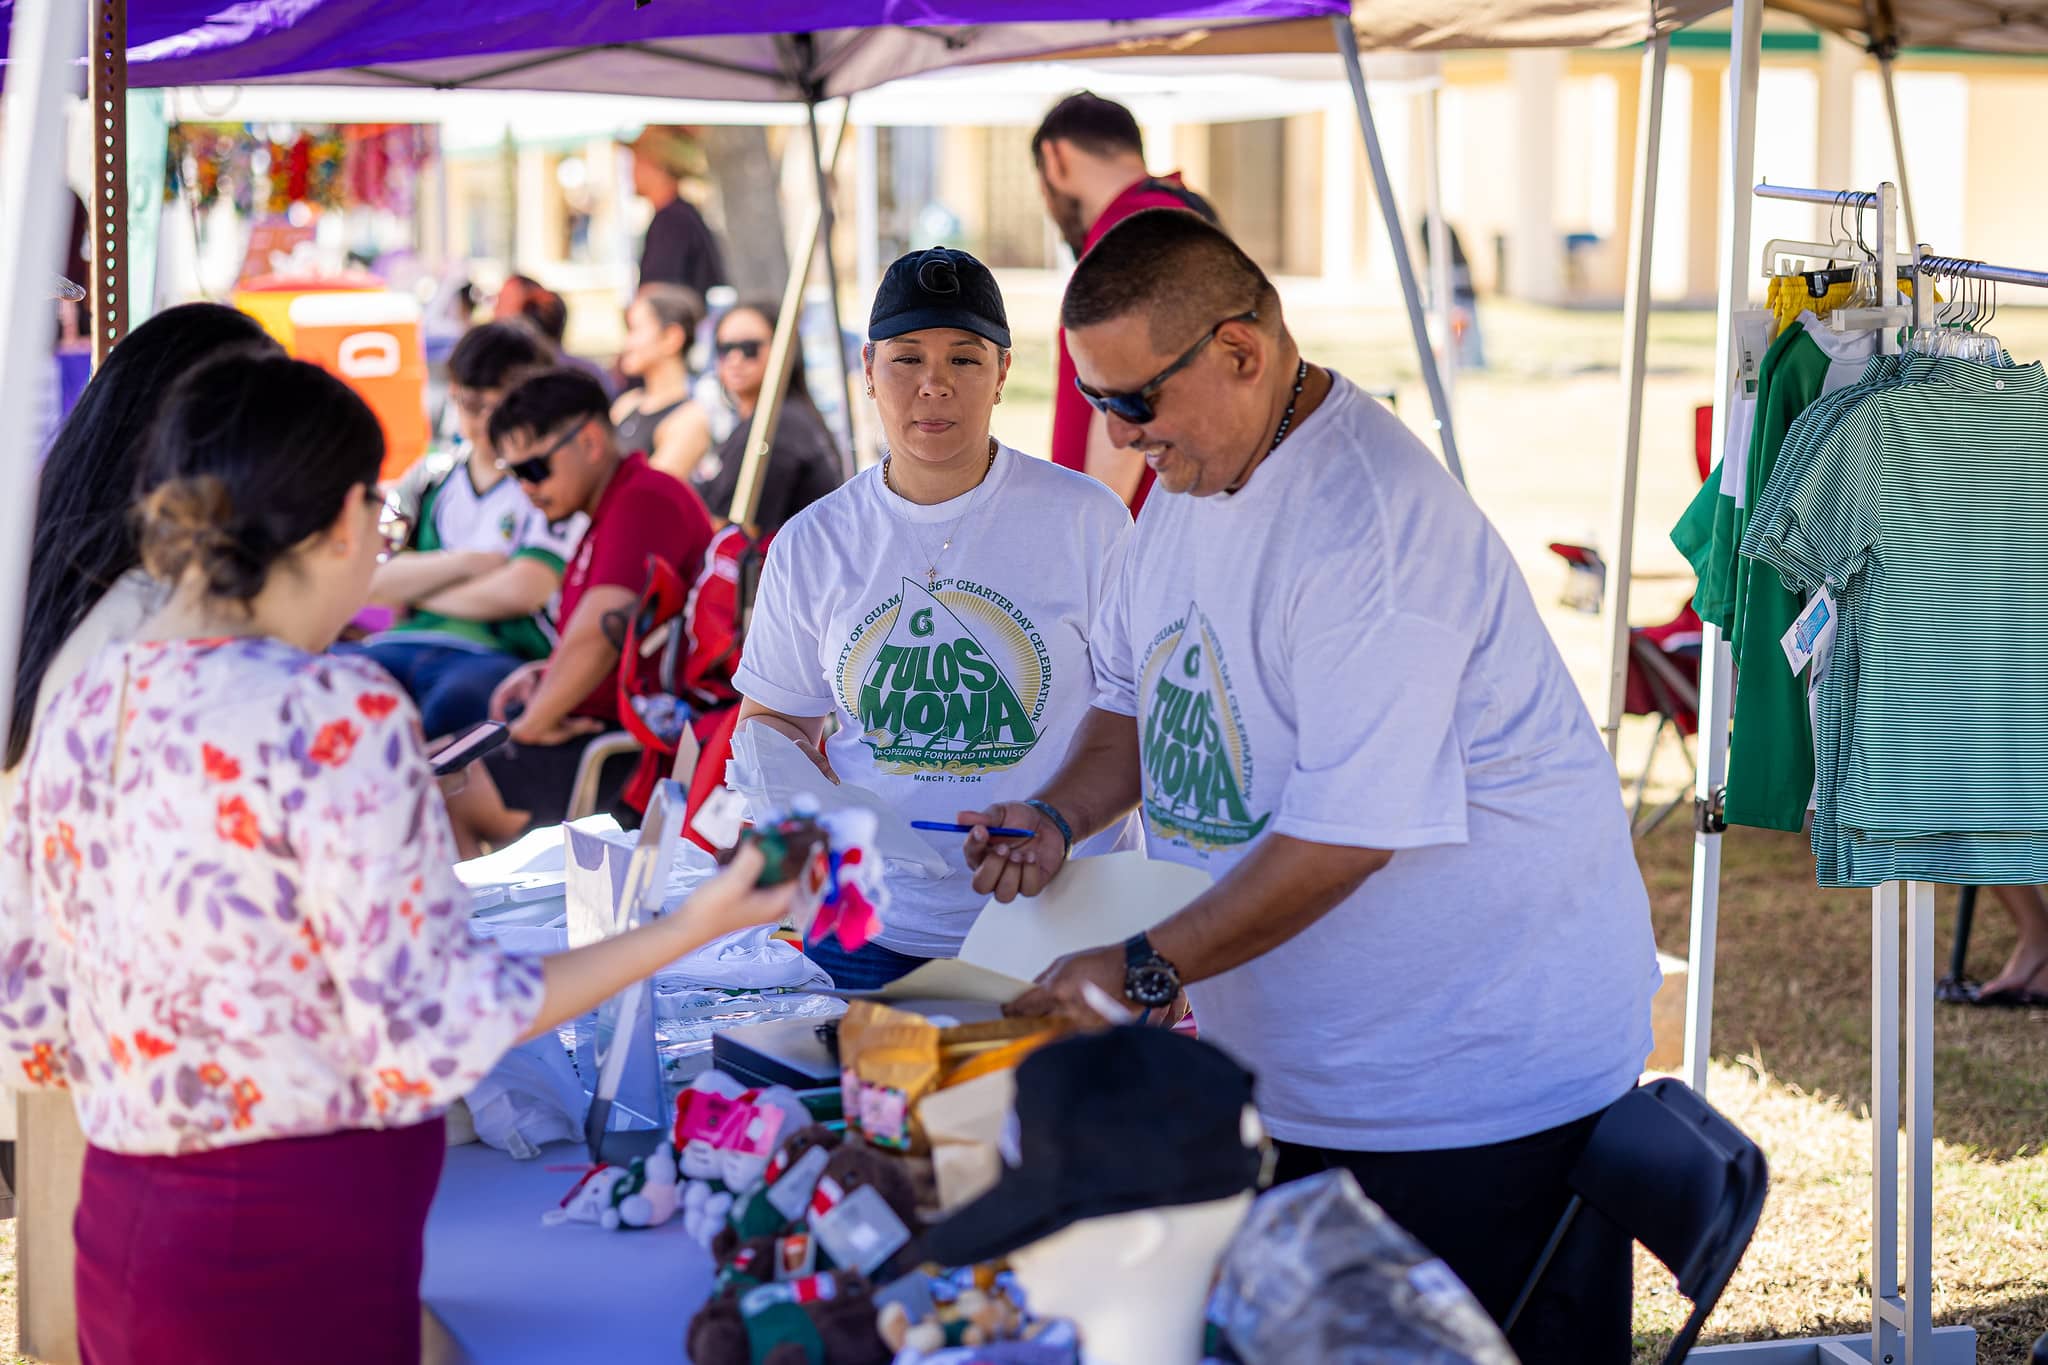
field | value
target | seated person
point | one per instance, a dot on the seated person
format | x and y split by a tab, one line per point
474	581
804	464
525	298
554	435
660	419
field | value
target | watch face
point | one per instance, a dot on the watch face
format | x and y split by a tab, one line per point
1152	987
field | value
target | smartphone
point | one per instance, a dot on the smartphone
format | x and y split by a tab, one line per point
467	747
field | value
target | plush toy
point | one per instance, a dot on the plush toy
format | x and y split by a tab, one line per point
854	1166
720	1176
757	1214
964	1314
651	1194
787	842
591	1197
826	1319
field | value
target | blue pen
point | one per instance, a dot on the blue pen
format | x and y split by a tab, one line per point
948	827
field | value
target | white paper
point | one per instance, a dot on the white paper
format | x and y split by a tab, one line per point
770	771
1091	903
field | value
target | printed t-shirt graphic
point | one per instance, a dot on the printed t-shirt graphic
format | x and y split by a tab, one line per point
950	690
934	692
1197	762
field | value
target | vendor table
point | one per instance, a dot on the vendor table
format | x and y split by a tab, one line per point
501	1289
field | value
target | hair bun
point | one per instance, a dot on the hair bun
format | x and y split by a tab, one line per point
190	522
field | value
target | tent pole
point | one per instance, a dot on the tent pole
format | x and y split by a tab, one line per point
106	94
1439	242
1636	324
1397	239
847	458
44	43
784	352
1891	107
1717	671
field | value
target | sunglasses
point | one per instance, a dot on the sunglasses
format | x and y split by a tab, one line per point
1136	407
750	349
536	468
393	525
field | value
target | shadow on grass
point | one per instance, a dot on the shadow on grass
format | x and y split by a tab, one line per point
2006	1330
1792	990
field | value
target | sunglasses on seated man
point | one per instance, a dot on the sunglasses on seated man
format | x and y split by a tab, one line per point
1136	407
536	468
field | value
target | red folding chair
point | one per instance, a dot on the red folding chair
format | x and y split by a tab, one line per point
1664	681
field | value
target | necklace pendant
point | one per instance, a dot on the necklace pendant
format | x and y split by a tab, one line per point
931	579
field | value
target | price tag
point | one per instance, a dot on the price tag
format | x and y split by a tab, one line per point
791	1195
1813	633
720	817
861	1232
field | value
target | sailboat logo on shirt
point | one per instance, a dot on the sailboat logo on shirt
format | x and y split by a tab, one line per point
1198	767
953	681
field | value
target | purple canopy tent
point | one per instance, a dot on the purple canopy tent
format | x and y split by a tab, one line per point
786	50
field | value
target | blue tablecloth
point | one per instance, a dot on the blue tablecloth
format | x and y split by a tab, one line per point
501	1289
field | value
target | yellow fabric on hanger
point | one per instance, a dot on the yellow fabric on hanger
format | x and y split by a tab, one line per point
1787	297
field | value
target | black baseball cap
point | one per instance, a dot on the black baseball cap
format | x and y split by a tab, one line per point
1134	1118
939	287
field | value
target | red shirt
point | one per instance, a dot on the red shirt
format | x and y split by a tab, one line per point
643	512
1070	411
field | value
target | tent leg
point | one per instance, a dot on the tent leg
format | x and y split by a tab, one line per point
1397	239
784	352
45	41
1745	50
1636	323
1439	244
824	175
1891	107
106	93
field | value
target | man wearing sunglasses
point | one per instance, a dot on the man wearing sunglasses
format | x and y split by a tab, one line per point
553	434
472	583
1325	683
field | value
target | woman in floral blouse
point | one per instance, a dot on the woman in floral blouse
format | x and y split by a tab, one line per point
229	922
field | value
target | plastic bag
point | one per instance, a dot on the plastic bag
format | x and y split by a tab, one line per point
530	1098
1319	1273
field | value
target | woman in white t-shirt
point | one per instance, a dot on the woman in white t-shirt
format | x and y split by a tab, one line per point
939	606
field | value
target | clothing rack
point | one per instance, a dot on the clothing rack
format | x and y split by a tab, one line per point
1902	1328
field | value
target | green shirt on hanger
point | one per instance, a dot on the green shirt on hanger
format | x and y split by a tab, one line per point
1770	758
1919	509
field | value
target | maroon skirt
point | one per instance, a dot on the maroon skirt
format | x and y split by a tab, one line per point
301	1249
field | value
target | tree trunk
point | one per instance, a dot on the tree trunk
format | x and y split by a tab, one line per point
751	231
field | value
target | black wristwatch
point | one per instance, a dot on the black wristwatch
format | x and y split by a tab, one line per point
1149	979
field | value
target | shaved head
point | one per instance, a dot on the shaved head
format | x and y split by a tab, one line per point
1177	270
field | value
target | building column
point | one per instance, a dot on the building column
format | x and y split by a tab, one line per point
1835	122
1341	193
1709	131
1535	253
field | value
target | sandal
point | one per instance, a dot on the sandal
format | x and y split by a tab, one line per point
1957	991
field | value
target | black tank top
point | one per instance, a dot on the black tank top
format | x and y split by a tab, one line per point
636	433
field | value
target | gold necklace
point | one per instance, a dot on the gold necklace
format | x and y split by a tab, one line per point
931	571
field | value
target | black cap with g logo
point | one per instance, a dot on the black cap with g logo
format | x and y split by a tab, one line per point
939	287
